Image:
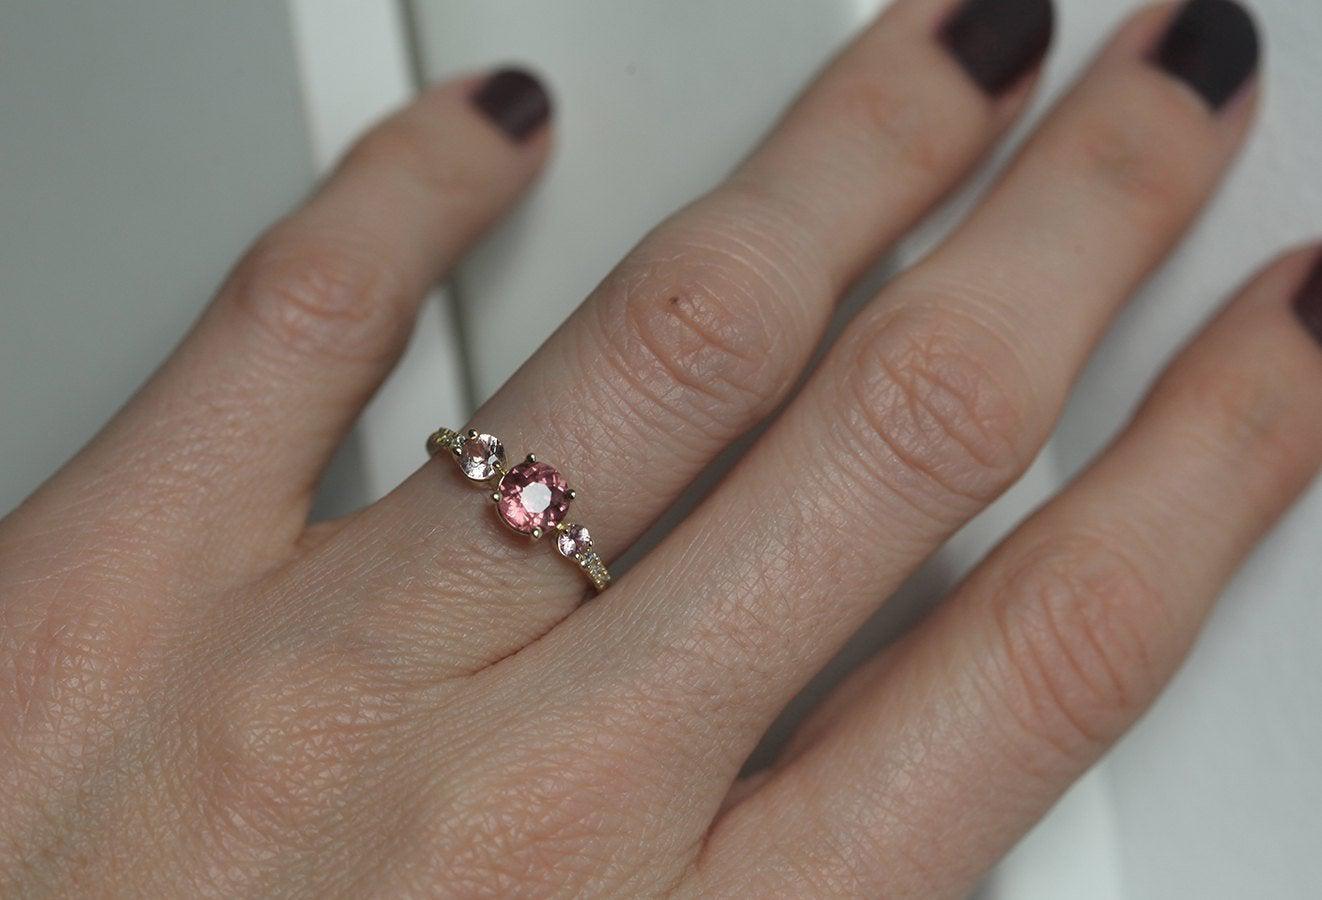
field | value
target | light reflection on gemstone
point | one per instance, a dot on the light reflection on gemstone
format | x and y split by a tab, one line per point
481	457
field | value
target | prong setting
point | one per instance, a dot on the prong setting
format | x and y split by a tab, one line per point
531	498
481	456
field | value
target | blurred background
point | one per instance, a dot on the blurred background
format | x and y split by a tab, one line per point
143	144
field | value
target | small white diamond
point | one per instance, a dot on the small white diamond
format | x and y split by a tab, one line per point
480	457
573	541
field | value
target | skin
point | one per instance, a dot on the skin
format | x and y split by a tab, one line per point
204	695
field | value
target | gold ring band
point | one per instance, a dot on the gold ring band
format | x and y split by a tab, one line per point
531	498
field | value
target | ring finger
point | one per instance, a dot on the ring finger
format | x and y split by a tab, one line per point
702	329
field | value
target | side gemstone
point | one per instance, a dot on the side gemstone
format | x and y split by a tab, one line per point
573	541
481	457
532	495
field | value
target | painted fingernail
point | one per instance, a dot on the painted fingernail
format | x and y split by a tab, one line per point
1212	46
515	101
999	41
1308	302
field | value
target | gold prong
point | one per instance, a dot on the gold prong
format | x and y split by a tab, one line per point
472	434
495	496
571	493
536	533
532	457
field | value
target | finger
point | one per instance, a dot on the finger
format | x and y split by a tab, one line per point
934	401
703	328
1061	639
225	444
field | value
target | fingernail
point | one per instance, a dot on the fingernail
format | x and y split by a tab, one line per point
515	101
1212	46
999	41
1308	302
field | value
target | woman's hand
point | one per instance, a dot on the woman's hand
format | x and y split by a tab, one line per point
205	696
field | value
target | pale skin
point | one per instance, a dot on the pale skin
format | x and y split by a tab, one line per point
205	696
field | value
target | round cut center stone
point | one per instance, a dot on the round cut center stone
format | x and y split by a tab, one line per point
532	495
481	456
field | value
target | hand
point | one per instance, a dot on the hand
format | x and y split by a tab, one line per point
203	695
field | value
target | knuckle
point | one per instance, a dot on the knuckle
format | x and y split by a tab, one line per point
404	147
1239	418
321	295
282	743
944	401
390	145
533	816
1139	159
69	656
898	124
1075	619
695	340
1243	416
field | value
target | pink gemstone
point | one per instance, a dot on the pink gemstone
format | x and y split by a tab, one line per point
573	541
480	456
532	495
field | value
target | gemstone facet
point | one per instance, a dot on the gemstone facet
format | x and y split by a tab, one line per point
532	495
573	541
481	457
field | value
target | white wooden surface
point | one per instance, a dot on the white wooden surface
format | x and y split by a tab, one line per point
356	65
141	147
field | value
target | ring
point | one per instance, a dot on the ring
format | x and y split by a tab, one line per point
532	498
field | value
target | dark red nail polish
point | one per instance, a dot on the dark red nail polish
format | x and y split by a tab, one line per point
998	42
515	101
1308	302
1212	46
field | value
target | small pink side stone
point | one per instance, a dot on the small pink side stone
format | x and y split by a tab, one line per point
573	541
532	495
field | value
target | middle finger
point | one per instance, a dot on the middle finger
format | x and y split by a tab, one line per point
933	401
